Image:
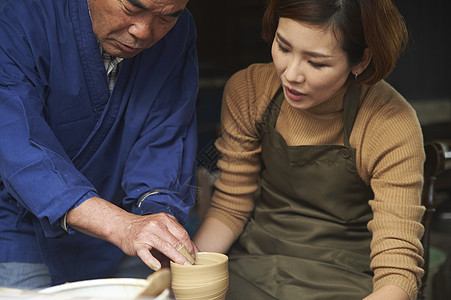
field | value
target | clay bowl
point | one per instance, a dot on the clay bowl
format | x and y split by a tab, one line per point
209	266
210	287
208	278
197	278
193	283
199	292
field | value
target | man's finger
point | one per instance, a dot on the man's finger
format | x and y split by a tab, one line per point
182	250
167	244
147	257
180	233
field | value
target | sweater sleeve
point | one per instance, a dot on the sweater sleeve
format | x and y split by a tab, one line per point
240	147
393	156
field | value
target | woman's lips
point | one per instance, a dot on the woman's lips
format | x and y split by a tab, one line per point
293	94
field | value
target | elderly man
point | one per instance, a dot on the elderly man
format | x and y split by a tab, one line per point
97	137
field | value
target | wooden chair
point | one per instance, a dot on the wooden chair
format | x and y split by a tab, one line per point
438	160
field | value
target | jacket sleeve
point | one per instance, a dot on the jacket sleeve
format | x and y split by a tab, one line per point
160	172
33	165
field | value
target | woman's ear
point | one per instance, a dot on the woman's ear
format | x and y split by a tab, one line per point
363	64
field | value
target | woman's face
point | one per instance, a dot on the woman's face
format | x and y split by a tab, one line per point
310	63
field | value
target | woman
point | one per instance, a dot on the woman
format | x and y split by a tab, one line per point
332	155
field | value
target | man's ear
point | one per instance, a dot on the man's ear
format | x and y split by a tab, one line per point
363	64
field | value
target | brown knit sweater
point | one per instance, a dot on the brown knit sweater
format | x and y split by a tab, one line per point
389	147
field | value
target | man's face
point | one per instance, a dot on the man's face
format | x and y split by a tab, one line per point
126	27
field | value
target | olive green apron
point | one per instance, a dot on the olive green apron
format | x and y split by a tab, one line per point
308	236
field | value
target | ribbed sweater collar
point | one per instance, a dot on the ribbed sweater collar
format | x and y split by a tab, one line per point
332	105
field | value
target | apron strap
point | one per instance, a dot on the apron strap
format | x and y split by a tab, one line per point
351	109
273	109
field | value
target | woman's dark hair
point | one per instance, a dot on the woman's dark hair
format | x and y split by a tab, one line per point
357	25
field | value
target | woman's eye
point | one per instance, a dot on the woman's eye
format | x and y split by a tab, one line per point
283	49
316	65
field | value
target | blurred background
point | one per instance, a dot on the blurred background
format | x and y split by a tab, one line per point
229	40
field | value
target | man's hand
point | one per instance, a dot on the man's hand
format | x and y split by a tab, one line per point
144	236
161	232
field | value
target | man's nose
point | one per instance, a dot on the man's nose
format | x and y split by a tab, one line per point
142	28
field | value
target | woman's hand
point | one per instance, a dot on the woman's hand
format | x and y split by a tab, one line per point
388	292
214	235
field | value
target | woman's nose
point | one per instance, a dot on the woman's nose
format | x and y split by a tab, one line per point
294	71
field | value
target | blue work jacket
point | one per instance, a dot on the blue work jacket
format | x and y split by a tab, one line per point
64	138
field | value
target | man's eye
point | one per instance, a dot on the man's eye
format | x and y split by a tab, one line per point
131	9
128	11
166	20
